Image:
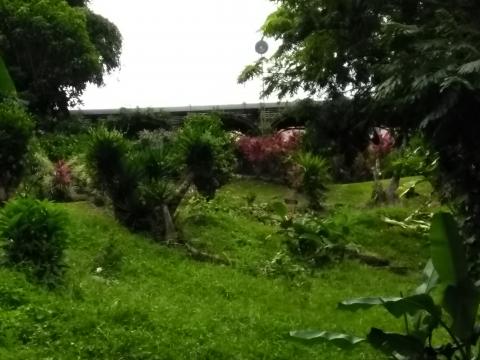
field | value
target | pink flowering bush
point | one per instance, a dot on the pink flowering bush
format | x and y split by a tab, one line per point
381	143
268	155
62	174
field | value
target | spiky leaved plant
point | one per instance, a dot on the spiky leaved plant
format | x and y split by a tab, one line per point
314	176
146	181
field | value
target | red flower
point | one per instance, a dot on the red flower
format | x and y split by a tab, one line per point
62	173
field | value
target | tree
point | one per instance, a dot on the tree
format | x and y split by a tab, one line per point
53	48
416	63
336	129
16	128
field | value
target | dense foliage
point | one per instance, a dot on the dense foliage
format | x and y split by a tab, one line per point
337	129
268	155
412	159
53	50
147	179
34	236
415	64
16	128
206	150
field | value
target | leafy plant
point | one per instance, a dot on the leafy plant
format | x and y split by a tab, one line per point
455	315
313	177
63	180
147	179
16	128
60	146
267	155
206	151
34	236
315	240
282	265
413	159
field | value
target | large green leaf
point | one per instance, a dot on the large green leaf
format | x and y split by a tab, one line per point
6	84
397	306
461	302
393	343
343	341
430	279
448	252
461	298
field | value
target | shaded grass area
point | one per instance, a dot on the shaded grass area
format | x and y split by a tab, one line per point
245	233
157	303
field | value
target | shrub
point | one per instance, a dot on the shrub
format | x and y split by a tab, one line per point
147	179
268	155
313	175
16	129
282	265
413	159
116	172
315	240
68	181
60	146
336	128
34	236
207	152
63	180
105	156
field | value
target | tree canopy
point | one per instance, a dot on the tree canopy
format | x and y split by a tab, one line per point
416	62
407	54
53	48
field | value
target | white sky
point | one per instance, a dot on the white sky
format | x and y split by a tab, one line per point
181	52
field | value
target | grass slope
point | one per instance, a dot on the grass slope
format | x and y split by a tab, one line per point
153	302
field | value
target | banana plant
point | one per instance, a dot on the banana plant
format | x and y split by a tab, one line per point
455	314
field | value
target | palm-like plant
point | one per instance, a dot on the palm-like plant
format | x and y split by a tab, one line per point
314	177
147	183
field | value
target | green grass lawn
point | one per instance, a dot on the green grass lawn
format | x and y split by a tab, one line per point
154	302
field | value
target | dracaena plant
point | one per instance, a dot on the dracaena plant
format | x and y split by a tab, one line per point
147	181
454	315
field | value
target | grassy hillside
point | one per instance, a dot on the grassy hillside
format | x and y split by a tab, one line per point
126	297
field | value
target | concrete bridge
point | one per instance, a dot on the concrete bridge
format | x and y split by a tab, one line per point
252	118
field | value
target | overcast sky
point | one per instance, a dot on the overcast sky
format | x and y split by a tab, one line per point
181	52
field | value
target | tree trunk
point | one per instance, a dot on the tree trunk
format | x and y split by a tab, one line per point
378	194
391	192
171	236
180	194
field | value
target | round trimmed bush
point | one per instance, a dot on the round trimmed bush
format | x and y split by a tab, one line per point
34	235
